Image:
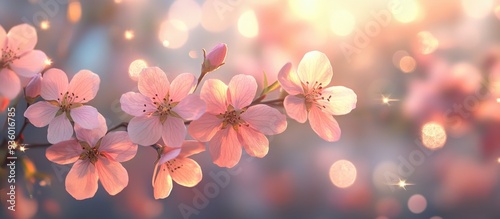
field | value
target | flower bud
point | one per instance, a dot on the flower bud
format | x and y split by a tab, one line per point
215	58
33	88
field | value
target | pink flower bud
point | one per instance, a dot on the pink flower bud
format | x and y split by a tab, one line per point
215	58
33	88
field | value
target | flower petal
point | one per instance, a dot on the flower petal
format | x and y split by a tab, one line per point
265	119
3	38
153	82
136	104
41	113
22	38
29	64
289	80
162	183
60	129
64	152
191	147
181	86
205	127
255	143
84	86
185	172
34	87
91	136
54	84
315	68
85	116
144	130
168	154
242	89
342	100
324	125
225	148
174	131
81	181
113	176
214	94
191	107
10	85
118	146
296	108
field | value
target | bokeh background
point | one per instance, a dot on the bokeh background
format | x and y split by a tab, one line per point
424	139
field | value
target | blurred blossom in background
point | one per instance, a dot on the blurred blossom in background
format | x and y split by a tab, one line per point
423	142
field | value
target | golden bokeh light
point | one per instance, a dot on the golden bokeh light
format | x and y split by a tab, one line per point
477	8
433	135
129	34
45	25
407	64
407	11
417	204
497	11
187	11
342	22
193	54
248	26
173	34
305	9
342	173
74	11
135	68
427	42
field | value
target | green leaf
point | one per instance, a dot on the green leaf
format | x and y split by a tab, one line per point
271	88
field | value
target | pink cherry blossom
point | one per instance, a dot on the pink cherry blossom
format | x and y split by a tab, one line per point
175	164
161	107
65	103
310	98
96	156
230	122
215	58
18	59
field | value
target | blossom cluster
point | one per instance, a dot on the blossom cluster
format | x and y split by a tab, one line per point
226	118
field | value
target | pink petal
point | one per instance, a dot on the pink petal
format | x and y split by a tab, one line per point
136	104
217	55
265	119
10	85
22	38
113	176
84	86
342	101
315	68
3	38
34	87
41	113
185	172
242	89
60	129
85	116
174	131
81	181
29	64
255	143
169	153
118	146
153	82
65	152
145	130
181	86
296	108
225	148
91	136
289	80
205	127
54	84
324	125
162	182
214	94
191	147
191	107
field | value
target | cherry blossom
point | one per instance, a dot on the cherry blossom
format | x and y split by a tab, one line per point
231	122
175	164
96	156
161	107
311	98
18	59
65	104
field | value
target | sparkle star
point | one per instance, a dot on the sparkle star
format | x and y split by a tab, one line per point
387	100
402	184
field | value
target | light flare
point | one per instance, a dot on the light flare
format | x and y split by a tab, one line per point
343	173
